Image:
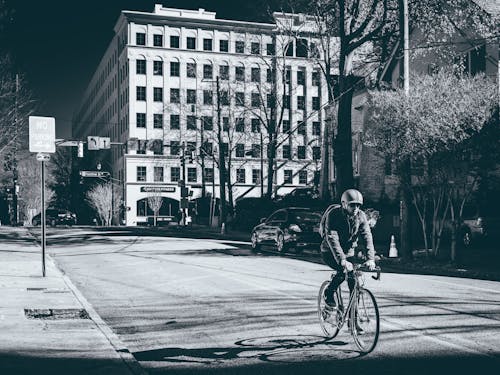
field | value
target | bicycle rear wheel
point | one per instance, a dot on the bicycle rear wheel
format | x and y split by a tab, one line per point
365	314
330	321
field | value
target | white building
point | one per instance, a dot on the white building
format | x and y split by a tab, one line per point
155	92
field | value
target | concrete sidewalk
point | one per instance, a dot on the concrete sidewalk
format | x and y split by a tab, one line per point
46	325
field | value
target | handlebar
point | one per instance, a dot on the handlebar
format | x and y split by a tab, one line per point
366	269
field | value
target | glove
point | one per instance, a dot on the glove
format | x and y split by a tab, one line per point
370	264
347	265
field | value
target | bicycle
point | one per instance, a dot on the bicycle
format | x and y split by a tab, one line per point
361	313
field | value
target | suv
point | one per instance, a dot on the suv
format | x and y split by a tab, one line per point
55	216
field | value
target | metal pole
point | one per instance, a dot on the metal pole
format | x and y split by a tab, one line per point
222	164
261	166
183	163
406	56
43	217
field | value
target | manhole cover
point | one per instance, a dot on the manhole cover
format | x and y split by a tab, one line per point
55	314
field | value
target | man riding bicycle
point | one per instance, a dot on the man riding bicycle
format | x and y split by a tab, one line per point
340	228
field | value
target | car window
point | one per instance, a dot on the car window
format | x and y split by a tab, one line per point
277	216
301	216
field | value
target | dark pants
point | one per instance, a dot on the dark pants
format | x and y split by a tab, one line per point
339	276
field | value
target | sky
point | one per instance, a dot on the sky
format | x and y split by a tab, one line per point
57	44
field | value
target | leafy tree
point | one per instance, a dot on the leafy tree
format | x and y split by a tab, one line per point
442	112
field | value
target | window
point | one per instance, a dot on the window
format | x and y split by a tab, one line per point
175	148
301	102
191	122
240	46
303	177
289	49
140	39
240	124
223	46
301	152
192	175
240	99
175	96
301	128
158	68
255	125
224	97
190	43
255	74
316	129
315	103
158	174
141	173
288	75
158	40
316	153
286	152
191	96
315	78
302	48
288	176
270	49
141	93
174	69
207	71
207	148
207	122
207	44
158	120
141	147
255	48
209	175
269	75
255	99
174	41
191	70
158	94
240	176
286	101
240	150
225	124
140	67
313	50
301	77
208	97
224	72
175	122
255	176
240	73
175	174
255	150
286	126
141	120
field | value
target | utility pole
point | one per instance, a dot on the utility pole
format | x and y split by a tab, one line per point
14	161
261	165
222	164
183	165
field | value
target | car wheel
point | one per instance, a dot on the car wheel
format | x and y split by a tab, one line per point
255	242
280	243
466	238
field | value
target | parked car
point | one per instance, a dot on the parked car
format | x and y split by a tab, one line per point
55	216
475	229
288	228
301	197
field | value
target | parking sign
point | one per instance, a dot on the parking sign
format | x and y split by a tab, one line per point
42	134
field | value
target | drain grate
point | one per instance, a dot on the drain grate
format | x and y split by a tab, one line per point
56	314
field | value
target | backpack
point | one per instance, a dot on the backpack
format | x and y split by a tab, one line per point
322	223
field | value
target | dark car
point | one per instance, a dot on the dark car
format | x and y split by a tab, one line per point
479	228
288	228
301	197
55	216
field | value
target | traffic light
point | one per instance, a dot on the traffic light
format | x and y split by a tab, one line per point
80	149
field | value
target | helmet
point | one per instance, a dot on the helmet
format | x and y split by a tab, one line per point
351	196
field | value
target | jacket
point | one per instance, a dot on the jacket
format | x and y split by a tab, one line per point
341	233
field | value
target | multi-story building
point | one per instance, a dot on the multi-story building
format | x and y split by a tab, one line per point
171	78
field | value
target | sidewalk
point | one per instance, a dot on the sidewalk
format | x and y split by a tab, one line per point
46	325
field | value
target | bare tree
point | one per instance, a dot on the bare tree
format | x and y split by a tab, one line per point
100	198
155	201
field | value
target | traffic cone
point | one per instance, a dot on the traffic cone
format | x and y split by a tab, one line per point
393	251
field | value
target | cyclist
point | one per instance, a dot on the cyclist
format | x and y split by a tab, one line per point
341	226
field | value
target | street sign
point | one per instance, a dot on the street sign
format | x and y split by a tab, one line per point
157	189
42	134
104	143
97	174
92	143
42	157
69	143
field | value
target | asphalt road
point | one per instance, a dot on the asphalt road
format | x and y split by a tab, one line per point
206	306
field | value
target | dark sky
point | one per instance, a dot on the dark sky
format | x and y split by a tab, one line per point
57	44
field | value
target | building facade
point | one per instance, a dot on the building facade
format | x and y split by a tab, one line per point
170	79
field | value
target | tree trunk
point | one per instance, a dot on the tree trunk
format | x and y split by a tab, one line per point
271	154
405	236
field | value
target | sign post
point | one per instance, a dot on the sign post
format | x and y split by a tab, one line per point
42	139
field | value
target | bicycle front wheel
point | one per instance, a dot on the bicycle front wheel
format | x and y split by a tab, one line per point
329	320
366	327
